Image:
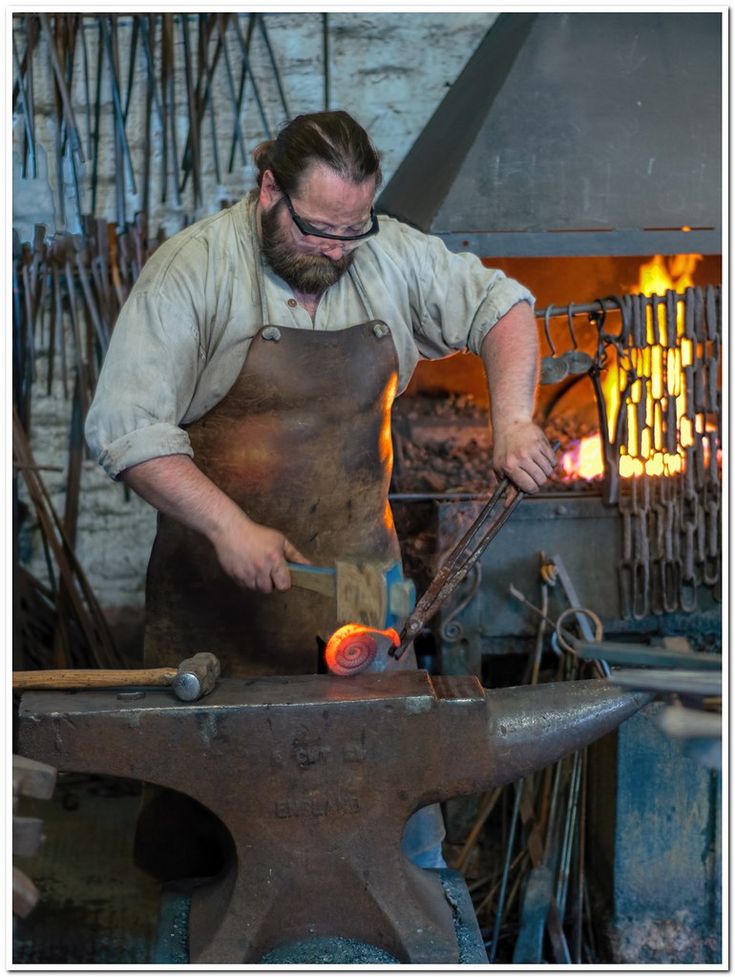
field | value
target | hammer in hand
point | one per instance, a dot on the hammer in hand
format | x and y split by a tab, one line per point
194	678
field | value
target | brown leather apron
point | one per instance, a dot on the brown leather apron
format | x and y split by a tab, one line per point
302	443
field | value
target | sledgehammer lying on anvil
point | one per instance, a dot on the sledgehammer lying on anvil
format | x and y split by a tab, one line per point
314	778
195	677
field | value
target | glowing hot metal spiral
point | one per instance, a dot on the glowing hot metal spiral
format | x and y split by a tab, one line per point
353	647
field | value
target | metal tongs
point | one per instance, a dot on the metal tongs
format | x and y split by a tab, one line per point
462	558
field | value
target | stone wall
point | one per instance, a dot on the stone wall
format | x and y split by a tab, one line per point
390	70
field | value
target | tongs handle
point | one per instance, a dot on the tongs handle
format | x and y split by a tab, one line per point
464	555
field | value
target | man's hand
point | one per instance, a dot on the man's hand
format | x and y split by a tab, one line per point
255	556
522	452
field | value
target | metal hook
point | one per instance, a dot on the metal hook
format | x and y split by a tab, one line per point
570	324
577	361
547	316
553	368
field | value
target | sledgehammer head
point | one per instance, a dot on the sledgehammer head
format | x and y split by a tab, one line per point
196	676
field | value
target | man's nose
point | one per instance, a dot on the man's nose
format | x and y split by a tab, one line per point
333	249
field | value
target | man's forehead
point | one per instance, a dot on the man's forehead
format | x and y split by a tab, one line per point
319	180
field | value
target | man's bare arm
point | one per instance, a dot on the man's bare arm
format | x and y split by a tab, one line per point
253	555
510	356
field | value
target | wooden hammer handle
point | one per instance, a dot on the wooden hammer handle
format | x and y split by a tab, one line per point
320	580
92	678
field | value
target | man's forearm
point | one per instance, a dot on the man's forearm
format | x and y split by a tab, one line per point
254	556
510	356
175	486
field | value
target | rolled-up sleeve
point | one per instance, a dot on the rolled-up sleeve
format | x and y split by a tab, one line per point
147	380
461	300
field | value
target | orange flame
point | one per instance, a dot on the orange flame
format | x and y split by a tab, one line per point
663	369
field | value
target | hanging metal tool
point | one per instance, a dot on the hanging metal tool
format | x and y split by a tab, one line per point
576	360
274	65
247	70
29	150
76	141
553	368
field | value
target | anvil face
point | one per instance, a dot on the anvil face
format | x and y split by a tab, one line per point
314	777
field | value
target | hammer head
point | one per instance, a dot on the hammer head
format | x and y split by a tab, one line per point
373	595
196	676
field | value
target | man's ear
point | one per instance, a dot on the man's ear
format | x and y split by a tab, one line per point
270	192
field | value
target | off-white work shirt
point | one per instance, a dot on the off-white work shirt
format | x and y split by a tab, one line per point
182	336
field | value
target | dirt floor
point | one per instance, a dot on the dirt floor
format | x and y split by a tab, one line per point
95	906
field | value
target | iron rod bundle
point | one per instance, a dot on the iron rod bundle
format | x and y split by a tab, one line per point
144	64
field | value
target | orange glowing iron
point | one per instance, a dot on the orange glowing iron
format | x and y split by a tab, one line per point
354	648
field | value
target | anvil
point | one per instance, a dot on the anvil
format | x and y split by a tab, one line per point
314	777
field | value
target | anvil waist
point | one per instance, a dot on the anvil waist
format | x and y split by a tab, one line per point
302	443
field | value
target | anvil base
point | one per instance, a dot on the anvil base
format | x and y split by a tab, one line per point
171	946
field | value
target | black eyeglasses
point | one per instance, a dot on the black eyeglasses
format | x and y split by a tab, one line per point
306	228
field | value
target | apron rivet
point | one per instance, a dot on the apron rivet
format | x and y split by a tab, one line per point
380	329
272	333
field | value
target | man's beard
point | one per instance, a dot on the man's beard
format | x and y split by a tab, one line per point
307	273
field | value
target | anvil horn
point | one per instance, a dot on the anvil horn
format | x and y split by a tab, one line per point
529	727
509	733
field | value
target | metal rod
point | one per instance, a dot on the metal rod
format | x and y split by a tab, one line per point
97	110
325	58
489	801
149	65
590	308
569	826
87	102
108	30
514	592
477	497
274	65
578	914
131	68
31	149
76	142
244	51
237	138
536	664
506	869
